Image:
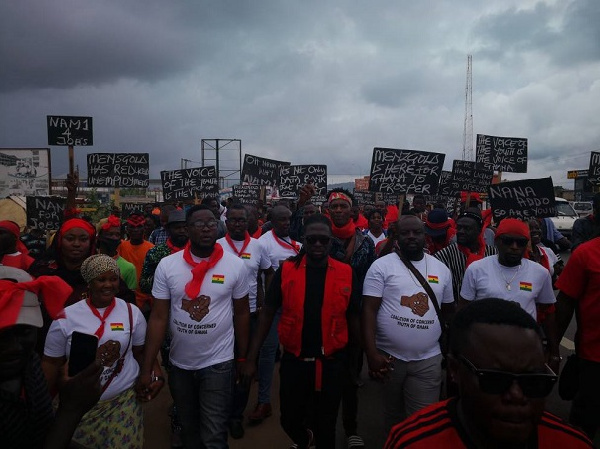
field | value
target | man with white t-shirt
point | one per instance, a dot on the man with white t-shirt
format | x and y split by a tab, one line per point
277	245
238	242
200	291
512	277
400	325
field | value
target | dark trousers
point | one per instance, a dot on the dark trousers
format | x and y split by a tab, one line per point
585	411
353	362
304	408
240	393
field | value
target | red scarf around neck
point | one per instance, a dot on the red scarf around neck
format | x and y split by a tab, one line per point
174	249
544	262
234	248
344	232
291	244
192	289
100	331
473	256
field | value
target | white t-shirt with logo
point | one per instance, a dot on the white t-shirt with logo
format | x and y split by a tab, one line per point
529	284
80	318
277	252
254	259
400	332
196	345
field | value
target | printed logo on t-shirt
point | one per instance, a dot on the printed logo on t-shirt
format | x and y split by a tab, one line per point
433	279
218	278
116	327
246	255
525	286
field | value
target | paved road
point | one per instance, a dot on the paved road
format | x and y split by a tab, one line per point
270	435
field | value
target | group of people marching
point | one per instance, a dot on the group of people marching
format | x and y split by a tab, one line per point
219	291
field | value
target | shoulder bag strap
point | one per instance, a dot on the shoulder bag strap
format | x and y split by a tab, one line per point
121	360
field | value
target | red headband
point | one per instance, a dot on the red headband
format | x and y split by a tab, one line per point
136	220
77	223
13	228
339	196
112	222
513	226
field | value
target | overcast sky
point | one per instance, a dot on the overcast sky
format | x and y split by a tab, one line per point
303	81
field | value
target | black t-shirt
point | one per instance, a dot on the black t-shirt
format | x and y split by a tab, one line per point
312	340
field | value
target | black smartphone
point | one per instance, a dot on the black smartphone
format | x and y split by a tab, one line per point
83	352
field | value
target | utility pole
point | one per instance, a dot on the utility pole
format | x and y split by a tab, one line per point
468	153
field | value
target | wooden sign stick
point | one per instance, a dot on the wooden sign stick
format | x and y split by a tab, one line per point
71	160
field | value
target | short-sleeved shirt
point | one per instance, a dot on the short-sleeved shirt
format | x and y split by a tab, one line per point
79	317
400	332
128	273
276	250
581	281
530	283
196	345
254	259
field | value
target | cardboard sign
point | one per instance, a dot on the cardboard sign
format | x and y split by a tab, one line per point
70	131
508	154
128	170
260	171
189	183
45	212
24	172
469	176
405	171
249	195
527	198
594	170
364	198
128	208
293	177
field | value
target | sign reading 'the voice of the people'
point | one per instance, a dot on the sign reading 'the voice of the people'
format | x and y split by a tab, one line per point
189	183
45	212
70	131
526	198
508	154
405	171
128	170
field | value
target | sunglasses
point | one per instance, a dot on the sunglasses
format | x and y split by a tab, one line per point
508	241
322	239
533	385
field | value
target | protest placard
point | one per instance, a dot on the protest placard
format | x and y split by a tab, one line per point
293	177
70	131
189	183
594	169
405	171
261	171
127	170
508	154
45	212
469	176
364	198
247	194
526	198
128	208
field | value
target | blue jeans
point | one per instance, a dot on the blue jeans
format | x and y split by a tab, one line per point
203	399
266	362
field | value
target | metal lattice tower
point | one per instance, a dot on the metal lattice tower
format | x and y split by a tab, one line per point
229	169
468	153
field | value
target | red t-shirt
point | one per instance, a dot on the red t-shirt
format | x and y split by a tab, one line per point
438	426
581	281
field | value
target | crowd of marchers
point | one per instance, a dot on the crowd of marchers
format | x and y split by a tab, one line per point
455	314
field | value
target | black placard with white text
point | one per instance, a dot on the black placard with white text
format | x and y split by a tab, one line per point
261	171
247	194
189	183
526	198
68	130
293	177
469	176
405	171
594	169
507	154
123	170
45	212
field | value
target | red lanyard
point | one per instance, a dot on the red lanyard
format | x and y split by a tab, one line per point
100	331
294	245
244	246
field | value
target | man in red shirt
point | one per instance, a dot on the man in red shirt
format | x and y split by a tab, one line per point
579	286
497	359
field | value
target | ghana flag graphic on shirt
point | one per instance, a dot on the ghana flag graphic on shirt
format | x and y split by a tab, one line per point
246	255
218	278
525	286
433	279
116	327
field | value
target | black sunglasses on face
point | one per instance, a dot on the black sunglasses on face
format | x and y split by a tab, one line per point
322	239
533	385
508	241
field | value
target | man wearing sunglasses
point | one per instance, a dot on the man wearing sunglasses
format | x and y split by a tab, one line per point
497	359
512	277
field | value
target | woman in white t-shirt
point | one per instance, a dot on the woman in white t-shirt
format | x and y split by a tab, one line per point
542	254
116	421
375	231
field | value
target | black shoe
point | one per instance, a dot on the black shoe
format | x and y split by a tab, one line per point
236	430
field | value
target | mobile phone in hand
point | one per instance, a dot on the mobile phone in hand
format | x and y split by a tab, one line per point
83	352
